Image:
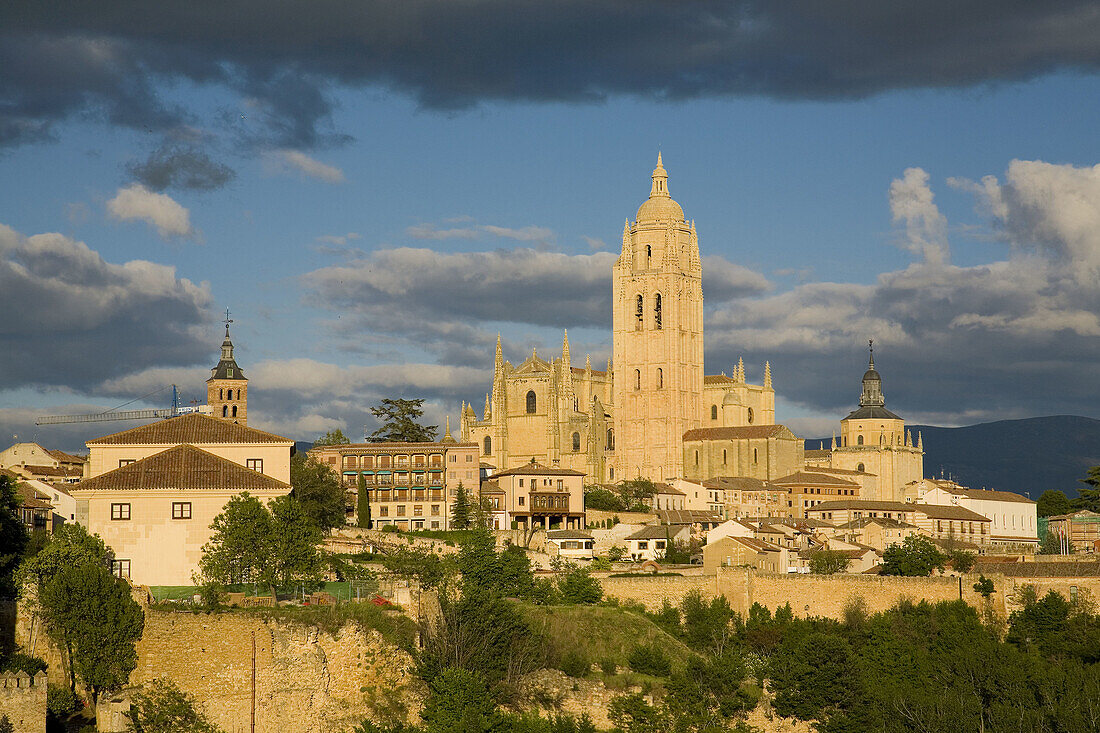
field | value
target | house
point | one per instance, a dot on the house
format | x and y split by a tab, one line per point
861	558
733	551
744	496
60	498
1079	531
808	488
573	544
1013	520
409	485
32	461
542	496
841	511
155	512
876	532
731	528
254	449
952	523
666	496
34	509
651	542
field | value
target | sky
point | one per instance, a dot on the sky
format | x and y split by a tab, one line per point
375	190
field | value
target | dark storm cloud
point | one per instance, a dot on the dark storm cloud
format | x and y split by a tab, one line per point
181	167
62	58
76	320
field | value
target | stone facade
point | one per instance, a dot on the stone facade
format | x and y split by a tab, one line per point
23	701
764	452
629	420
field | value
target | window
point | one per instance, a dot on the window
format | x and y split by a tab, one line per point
660	377
611	439
488	447
642	544
754	456
469	458
639	313
723	456
120	511
657	311
521	483
521	501
531	402
454	458
225	410
561	484
418	510
714	412
859	440
648	252
121	568
750	416
221	394
576	442
229	371
696	458
238	394
383	511
234	410
125	462
859	467
637	379
181	510
435	510
400	510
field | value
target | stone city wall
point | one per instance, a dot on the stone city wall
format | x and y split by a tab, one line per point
653	590
23	701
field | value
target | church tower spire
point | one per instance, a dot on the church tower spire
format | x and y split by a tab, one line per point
227	388
872	395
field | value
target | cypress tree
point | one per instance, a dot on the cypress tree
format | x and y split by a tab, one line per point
362	503
460	513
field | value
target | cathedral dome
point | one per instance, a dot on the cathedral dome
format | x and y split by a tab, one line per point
659	206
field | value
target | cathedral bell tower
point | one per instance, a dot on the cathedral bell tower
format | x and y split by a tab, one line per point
657	303
227	388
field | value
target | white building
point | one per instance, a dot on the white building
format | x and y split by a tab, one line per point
1014	519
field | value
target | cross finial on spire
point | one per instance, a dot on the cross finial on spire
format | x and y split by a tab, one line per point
871	349
660	179
228	320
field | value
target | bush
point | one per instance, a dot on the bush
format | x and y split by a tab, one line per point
61	702
650	659
25	662
608	666
392	528
577	586
600	563
575	664
616	553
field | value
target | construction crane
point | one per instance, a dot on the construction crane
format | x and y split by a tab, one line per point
116	414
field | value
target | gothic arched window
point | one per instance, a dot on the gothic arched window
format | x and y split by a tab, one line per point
859	467
234	410
221	394
657	311
488	446
639	313
637	379
714	412
660	377
532	403
750	416
648	253
225	410
859	440
754	456
576	442
610	439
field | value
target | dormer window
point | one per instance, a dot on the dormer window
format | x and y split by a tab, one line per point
229	371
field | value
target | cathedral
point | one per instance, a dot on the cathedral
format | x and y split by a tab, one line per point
628	420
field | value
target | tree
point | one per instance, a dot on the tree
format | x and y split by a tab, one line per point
318	488
399	422
984	586
599	498
90	613
1053	503
13	535
460	513
293	544
480	515
459	702
69	546
576	585
1089	498
333	437
362	503
428	569
828	562
6	725
916	556
163	708
238	550
962	561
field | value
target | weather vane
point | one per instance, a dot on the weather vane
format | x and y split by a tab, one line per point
228	320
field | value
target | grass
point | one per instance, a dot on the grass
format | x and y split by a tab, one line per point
342	590
396	628
457	536
603	632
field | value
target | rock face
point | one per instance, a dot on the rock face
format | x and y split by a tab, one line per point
306	680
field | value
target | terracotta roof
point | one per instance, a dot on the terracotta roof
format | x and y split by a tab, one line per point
850	554
193	428
818	453
567	534
1082	514
866	504
753	544
718	379
667	489
31	499
50	470
66	457
939	511
841	471
342	448
744	483
182	467
804	478
862	522
687	516
989	494
654	532
1041	569
537	469
747	431
491	487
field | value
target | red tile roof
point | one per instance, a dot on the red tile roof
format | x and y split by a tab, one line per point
183	467
193	428
804	478
747	431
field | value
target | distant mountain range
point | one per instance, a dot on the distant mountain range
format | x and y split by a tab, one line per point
1026	456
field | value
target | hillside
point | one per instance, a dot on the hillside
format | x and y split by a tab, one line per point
1026	456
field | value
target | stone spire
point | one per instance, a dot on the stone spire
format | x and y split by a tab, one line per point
626	258
488	408
447	437
739	373
660	180
499	364
566	370
908	438
767	375
872	383
832	446
920	441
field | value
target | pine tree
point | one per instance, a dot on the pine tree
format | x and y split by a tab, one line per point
362	503
460	512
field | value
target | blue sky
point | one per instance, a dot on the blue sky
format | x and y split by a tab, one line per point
372	226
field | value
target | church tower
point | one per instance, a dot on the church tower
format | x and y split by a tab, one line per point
657	304
227	388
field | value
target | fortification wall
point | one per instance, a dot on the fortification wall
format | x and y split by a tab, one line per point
23	701
652	591
1085	589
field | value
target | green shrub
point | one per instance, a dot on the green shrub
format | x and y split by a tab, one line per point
391	528
600	563
61	702
608	666
650	659
575	664
23	662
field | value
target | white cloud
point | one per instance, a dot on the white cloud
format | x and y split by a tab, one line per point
925	227
429	231
338	239
311	167
158	209
594	243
